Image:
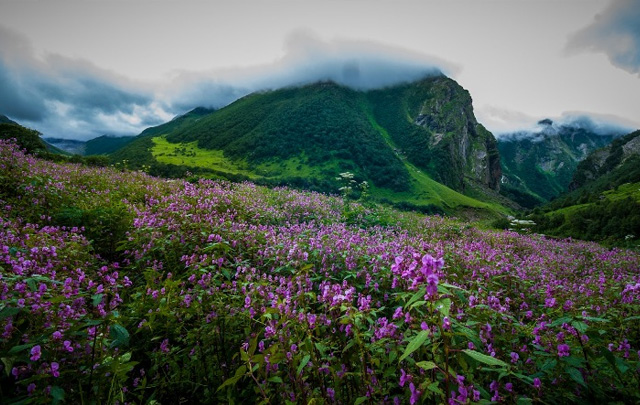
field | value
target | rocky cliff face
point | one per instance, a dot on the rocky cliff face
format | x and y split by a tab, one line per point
607	159
447	113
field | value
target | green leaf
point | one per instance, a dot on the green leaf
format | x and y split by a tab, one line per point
415	344
426	365
595	319
230	381
96	299
304	362
119	335
8	365
433	387
444	305
483	358
275	379
622	365
58	394
19	348
524	401
416	297
549	365
360	400
580	326
8	311
575	375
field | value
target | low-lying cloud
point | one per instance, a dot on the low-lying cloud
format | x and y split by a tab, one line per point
73	98
68	97
616	33
357	64
596	123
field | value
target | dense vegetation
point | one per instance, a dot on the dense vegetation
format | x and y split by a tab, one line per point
103	145
539	166
322	122
605	204
120	287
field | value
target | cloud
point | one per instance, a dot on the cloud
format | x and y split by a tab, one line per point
599	124
69	98
616	33
361	65
72	98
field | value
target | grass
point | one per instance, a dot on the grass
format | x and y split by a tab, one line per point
188	154
424	190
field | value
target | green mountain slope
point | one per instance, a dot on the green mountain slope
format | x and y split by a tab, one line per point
106	144
417	143
26	138
604	204
539	166
6	120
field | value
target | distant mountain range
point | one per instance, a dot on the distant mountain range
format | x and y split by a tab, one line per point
539	165
604	201
102	145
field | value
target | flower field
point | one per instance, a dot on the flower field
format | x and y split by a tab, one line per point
117	287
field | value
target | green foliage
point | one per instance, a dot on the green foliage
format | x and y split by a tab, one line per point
605	208
26	138
105	144
540	167
105	226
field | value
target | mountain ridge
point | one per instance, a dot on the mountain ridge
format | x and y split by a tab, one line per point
539	165
402	140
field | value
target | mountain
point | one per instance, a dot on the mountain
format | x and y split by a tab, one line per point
418	142
539	165
615	162
26	138
106	144
604	203
6	120
71	146
101	145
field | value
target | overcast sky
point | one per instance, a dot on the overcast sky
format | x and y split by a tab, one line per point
79	69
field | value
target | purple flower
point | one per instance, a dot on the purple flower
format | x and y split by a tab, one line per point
164	346
54	369
537	383
35	353
67	346
31	388
404	377
563	350
415	394
432	284
331	393
446	323
514	357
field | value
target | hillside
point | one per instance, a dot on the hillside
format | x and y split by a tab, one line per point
539	165
6	120
117	286
28	139
417	143
604	204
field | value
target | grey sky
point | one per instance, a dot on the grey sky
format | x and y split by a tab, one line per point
83	68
